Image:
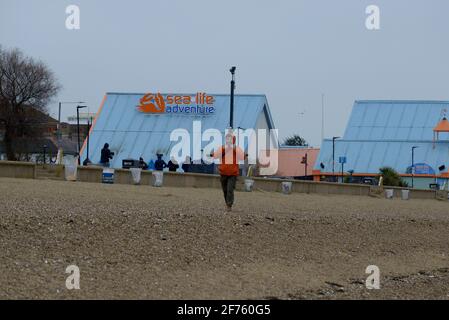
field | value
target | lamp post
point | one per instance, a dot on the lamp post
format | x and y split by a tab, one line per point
87	161
333	157
231	113
78	129
342	172
45	151
413	163
59	114
238	134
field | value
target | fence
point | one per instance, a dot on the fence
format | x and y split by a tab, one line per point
93	174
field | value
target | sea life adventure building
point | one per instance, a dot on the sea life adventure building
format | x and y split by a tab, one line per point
139	125
412	137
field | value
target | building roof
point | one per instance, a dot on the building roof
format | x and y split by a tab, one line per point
382	133
132	134
395	120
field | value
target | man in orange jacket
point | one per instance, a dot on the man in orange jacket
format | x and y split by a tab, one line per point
229	156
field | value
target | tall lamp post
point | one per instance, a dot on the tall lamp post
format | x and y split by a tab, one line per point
45	152
413	163
87	161
231	112
333	157
78	129
59	114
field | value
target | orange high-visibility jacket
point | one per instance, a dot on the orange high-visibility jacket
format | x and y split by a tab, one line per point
229	157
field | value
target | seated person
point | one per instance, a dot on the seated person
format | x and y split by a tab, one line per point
172	165
142	164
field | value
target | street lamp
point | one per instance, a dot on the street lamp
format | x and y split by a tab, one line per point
78	129
333	156
59	113
238	134
45	151
87	160
413	163
231	113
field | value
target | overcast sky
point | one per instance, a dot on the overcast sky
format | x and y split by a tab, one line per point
292	51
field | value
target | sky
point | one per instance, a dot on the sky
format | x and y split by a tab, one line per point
294	51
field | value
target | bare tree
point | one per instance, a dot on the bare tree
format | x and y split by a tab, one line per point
25	83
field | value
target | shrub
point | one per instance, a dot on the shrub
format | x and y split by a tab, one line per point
391	177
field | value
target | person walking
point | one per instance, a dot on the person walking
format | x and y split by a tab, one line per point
229	156
106	155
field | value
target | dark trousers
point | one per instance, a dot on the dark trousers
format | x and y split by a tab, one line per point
228	186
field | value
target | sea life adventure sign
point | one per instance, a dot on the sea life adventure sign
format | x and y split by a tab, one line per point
201	103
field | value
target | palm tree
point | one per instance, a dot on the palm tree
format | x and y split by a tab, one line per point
391	177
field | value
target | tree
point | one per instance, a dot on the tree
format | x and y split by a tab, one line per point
295	140
391	177
25	83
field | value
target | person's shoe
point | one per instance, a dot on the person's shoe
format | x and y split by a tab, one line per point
228	208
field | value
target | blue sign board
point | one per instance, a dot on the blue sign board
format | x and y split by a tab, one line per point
421	168
342	160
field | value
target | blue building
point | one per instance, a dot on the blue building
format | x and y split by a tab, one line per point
389	133
139	125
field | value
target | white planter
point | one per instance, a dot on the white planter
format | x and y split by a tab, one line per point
70	169
286	187
136	174
249	184
405	194
389	193
158	178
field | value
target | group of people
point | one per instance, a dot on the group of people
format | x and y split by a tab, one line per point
159	164
229	155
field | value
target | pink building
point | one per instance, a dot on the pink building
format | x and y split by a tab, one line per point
292	161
